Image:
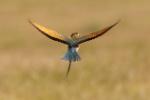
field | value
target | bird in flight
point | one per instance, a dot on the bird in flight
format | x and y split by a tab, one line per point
72	42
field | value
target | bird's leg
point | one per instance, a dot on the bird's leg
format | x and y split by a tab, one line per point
68	68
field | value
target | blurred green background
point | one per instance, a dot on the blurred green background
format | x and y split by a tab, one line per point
115	66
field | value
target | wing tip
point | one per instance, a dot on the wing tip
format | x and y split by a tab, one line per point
30	21
117	22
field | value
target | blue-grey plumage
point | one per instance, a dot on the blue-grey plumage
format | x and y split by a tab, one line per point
72	54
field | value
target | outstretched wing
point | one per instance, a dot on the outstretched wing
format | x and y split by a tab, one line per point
94	35
50	33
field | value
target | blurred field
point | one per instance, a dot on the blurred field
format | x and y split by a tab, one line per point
113	67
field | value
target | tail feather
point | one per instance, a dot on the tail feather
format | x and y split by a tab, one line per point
72	55
68	70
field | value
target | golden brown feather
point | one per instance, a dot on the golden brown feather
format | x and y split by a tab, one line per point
50	33
94	35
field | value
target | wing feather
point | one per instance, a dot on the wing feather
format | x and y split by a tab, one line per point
50	33
94	35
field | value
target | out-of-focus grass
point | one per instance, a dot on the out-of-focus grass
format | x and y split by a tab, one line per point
113	67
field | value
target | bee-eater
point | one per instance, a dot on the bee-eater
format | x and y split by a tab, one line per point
73	42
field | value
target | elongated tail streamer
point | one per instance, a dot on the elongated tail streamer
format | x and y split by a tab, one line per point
68	70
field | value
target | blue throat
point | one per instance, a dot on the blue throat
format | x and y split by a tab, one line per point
72	54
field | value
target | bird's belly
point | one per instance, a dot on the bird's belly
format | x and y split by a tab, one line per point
74	49
72	54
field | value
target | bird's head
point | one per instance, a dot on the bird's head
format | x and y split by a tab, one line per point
75	35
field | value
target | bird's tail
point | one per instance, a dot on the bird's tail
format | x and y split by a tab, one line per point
72	55
68	69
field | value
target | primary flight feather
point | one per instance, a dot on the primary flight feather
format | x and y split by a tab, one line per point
50	33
